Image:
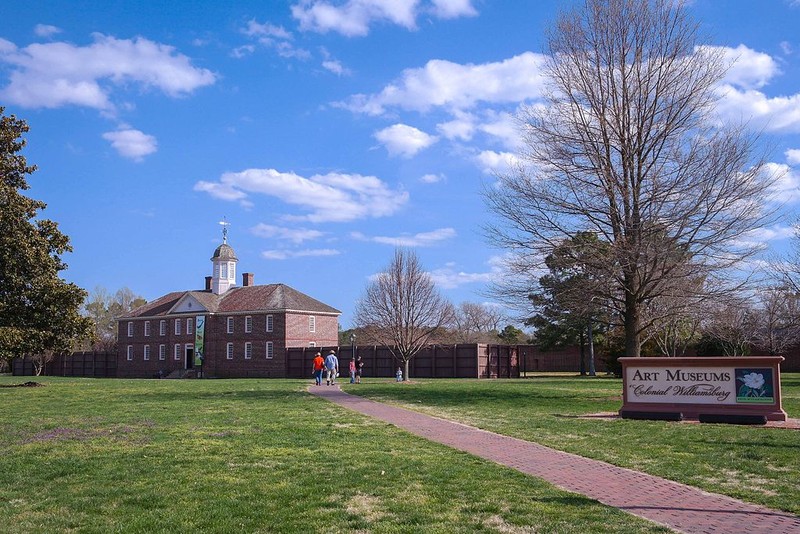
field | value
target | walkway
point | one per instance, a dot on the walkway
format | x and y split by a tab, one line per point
680	507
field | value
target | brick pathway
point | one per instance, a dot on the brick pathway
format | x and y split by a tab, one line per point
680	507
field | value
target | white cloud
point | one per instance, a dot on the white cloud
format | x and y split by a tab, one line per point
422	239
432	178
462	127
448	277
271	36
793	156
786	188
450	9
741	100
241	51
778	114
56	74
335	67
132	144
492	162
774	233
403	140
353	18
288	254
295	235
266	30
748	69
443	83
332	197
46	30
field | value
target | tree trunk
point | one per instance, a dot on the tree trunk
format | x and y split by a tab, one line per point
633	344
405	373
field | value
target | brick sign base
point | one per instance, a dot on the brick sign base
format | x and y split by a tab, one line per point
736	390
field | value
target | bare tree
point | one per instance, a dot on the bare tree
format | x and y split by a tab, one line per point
733	324
778	320
401	308
476	323
623	146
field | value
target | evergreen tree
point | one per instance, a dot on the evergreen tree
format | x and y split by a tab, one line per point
39	311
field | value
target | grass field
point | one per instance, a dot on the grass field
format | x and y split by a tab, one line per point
92	455
754	464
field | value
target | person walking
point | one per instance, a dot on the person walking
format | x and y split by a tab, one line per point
352	371
359	367
317	366
331	368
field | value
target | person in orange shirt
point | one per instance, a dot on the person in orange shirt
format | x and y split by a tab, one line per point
318	366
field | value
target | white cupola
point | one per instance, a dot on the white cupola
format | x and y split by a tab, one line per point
224	261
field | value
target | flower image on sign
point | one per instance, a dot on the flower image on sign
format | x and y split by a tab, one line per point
754	386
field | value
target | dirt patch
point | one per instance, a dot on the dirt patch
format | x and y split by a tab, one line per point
790	423
28	384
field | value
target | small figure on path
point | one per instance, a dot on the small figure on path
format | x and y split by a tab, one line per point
352	371
399	375
317	367
331	368
359	367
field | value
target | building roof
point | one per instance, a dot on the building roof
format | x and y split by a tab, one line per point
224	252
264	298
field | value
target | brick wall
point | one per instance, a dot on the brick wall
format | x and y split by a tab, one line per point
216	362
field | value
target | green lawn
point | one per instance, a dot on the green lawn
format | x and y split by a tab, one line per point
92	455
755	464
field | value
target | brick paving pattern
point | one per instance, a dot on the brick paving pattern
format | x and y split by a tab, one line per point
680	507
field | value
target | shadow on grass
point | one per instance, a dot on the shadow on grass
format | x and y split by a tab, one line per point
226	395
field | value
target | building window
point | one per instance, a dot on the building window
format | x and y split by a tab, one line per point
177	327
270	350
162	352
146	352
232	271
248	324
229	351
248	350
177	352
190	326
269	323
224	272
230	325
312	344
162	328
312	323
130	329
130	352
147	328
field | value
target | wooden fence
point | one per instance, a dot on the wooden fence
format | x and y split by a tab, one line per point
85	364
435	361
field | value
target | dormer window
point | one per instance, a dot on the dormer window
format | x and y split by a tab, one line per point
231	271
223	270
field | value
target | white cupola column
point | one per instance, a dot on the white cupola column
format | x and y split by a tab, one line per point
224	261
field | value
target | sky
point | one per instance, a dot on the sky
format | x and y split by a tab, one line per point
326	133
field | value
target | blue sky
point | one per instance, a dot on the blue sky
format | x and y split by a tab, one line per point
325	132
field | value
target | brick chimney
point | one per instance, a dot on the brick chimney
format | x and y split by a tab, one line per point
247	279
208	283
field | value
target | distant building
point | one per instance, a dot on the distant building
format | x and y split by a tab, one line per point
223	330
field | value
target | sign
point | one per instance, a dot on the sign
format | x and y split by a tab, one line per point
700	385
199	339
695	388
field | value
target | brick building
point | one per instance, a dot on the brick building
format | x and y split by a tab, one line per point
223	330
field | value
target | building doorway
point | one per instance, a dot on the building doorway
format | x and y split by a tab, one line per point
189	362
